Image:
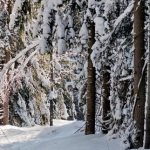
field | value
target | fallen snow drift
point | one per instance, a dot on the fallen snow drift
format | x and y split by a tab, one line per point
62	136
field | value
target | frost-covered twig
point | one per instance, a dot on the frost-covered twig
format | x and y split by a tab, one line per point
24	65
29	58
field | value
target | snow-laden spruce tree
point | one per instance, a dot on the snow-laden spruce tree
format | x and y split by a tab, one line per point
5	45
112	56
27	102
50	28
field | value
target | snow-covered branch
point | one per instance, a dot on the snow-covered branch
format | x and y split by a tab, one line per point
8	65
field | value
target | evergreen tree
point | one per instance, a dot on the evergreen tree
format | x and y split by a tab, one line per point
5	57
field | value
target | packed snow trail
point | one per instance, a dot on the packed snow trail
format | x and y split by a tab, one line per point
61	136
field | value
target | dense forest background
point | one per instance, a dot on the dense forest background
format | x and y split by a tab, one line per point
77	59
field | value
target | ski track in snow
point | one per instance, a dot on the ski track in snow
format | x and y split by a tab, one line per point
61	136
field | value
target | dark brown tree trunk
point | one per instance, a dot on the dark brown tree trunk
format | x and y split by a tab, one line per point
51	112
51	90
147	116
139	76
90	100
105	101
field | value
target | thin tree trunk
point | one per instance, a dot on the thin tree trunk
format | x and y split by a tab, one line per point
51	90
5	119
139	87
7	56
147	125
5	106
106	94
90	100
51	112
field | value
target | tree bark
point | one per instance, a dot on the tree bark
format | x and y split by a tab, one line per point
105	101
139	75
5	119
147	115
51	112
90	99
51	90
5	105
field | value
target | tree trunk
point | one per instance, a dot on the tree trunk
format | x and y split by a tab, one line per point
139	75
105	101
5	106
5	119
90	100
7	56
147	125
51	90
51	112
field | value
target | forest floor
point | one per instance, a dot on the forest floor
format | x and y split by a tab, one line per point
63	135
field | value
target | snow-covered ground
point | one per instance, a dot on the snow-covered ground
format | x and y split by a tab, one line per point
62	136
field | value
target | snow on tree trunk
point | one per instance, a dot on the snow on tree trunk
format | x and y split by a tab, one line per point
147	115
5	119
4	109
